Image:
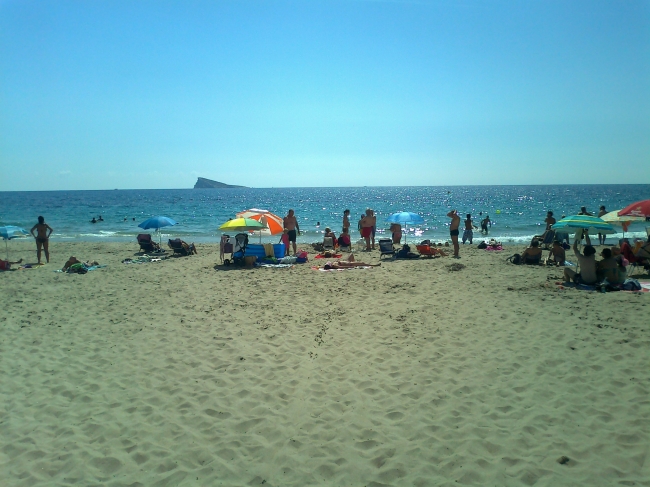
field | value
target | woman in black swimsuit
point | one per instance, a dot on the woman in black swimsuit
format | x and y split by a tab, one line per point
42	238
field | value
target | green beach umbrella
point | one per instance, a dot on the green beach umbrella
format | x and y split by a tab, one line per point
591	224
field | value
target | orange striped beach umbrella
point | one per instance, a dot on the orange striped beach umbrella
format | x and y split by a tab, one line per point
274	224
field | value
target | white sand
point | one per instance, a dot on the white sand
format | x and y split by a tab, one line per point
177	373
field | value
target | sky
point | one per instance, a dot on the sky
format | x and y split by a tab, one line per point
270	93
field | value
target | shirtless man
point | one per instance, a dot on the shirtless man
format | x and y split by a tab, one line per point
453	231
291	225
601	236
346	222
42	239
367	223
468	234
583	211
549	220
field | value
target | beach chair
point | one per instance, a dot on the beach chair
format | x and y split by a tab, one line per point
328	243
226	249
180	247
147	244
345	244
547	238
428	251
386	247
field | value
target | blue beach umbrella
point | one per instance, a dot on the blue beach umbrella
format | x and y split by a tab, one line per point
9	232
405	217
591	224
157	222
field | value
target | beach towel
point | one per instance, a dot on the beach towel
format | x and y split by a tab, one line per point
498	248
273	266
268	250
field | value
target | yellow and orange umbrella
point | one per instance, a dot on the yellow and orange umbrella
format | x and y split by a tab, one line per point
273	224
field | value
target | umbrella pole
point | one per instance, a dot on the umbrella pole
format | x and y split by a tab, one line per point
7	248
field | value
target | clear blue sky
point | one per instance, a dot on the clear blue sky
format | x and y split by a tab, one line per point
151	94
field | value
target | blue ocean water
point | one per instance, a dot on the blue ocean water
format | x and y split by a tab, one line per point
517	212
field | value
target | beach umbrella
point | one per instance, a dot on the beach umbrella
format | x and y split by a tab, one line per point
273	223
157	222
241	225
640	208
591	224
615	219
9	232
405	217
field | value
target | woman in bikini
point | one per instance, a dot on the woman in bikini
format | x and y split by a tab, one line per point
42	238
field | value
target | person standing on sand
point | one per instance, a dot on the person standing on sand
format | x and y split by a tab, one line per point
583	211
291	224
374	227
453	231
367	222
346	222
468	234
601	236
42	238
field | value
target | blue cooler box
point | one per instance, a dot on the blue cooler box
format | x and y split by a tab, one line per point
256	250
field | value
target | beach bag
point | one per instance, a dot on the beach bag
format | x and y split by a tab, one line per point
482	245
301	257
514	259
4	265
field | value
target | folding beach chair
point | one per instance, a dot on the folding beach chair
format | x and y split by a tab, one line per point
180	247
428	251
328	243
147	244
239	250
386	247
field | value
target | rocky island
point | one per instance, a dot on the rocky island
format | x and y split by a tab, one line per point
203	183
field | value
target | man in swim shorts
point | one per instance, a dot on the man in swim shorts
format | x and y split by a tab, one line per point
42	238
291	225
346	222
367	222
453	231
468	234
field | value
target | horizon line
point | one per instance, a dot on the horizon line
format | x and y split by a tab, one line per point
321	187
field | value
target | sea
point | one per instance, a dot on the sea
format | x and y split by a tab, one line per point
517	212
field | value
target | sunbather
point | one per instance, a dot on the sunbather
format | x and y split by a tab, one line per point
348	263
557	255
5	265
73	260
587	262
610	268
533	254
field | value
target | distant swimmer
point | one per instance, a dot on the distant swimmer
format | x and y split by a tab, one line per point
100	219
93	220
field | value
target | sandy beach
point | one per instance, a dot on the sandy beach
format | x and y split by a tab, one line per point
184	372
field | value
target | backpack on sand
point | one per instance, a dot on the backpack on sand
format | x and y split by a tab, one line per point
514	259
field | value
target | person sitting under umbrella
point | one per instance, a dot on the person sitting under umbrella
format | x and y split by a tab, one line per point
587	262
610	268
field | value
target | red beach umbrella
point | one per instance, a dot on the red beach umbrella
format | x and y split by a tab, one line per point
640	208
